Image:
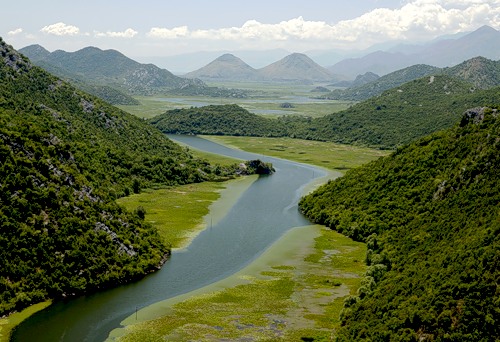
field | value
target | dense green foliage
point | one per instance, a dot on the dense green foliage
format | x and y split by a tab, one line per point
216	120
404	113
429	214
397	117
64	157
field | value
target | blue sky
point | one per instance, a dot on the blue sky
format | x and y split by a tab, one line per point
165	28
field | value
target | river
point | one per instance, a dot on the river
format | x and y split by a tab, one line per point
263	213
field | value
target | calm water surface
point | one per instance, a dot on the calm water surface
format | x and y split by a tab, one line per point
259	217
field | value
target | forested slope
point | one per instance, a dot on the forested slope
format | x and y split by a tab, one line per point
430	215
64	157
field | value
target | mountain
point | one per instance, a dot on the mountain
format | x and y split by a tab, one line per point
65	156
429	215
108	67
440	53
482	42
381	84
296	67
379	62
480	71
359	81
35	52
225	68
292	68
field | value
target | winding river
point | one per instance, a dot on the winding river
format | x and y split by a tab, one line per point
263	213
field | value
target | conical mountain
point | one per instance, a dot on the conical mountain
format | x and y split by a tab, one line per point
226	67
296	67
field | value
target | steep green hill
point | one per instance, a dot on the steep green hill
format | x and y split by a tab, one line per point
480	71
64	157
429	213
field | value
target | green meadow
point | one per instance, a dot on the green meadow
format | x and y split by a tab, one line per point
323	154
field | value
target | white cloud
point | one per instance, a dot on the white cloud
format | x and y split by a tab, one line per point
15	32
415	19
128	33
61	29
165	33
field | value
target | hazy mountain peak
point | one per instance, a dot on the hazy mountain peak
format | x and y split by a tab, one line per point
296	66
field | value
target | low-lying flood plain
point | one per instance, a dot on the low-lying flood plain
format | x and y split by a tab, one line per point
323	154
294	291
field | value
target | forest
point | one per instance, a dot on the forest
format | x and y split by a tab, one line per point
429	215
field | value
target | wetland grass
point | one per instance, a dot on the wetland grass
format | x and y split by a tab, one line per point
301	297
8	324
323	154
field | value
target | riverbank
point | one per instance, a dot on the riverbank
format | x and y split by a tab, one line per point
293	290
9	323
180	213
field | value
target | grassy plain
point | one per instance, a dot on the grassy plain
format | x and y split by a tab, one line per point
180	213
264	99
324	154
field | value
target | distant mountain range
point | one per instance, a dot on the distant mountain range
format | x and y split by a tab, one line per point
479	71
112	69
295	67
107	67
442	53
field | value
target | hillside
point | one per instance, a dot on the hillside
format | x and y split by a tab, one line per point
481	72
378	85
107	67
429	214
398	116
225	68
403	114
216	120
65	156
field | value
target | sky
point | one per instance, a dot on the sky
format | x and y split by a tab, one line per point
165	28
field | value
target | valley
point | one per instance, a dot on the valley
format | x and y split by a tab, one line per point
289	202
